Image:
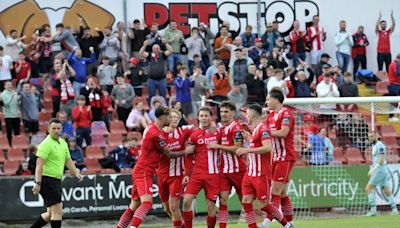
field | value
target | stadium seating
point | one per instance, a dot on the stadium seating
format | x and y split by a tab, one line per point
98	140
4	143
38	138
143	100
94	152
15	154
115	139
47	96
44	117
387	130
99	128
339	156
20	141
2	157
354	156
381	87
391	142
117	127
10	167
93	165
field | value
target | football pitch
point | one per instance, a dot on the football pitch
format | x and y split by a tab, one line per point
356	222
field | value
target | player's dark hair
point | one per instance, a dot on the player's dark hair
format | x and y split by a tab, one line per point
277	93
228	105
60	25
161	111
256	107
54	120
205	109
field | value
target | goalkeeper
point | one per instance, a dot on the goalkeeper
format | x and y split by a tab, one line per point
379	175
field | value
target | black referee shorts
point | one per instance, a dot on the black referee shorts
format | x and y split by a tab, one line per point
50	190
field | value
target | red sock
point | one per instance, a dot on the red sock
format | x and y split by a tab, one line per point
276	201
287	208
276	214
177	224
125	219
141	212
188	218
211	220
250	215
223	216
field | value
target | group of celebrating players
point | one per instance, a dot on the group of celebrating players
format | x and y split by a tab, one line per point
188	160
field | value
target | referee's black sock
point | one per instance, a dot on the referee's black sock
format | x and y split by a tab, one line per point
55	223
39	222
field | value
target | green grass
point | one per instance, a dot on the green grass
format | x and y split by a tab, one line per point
357	222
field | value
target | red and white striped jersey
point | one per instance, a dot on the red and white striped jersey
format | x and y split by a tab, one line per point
315	37
206	161
176	141
283	147
230	135
259	164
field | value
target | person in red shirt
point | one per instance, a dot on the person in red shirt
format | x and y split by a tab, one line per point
82	117
394	77
205	172
107	108
305	131
281	121
171	171
298	40
232	167
256	183
383	48
22	68
153	146
358	51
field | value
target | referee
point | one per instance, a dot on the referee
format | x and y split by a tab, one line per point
53	155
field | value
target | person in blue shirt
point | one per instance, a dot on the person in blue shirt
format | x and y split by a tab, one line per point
248	37
121	157
317	147
182	85
79	63
76	154
379	175
67	130
329	149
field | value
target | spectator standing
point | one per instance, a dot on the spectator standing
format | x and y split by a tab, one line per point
394	77
106	73
138	118
123	39
323	63
329	149
298	40
86	40
11	101
22	68
327	88
276	59
174	38
200	88
82	116
220	48
66	38
195	45
344	42
206	35
249	37
359	52
383	48
6	66
78	63
76	154
153	38
302	84
136	76
269	37
67	130
235	97
277	81
231	33
222	84
237	43
107	108
110	46
122	95
14	45
316	37
211	70
63	90
29	108
240	71
182	85
157	61
92	92
257	52
40	56
254	81
318	156
137	34
348	89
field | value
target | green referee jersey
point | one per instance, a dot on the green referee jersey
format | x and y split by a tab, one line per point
55	153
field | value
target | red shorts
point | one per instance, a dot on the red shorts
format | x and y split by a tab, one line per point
229	180
256	186
169	186
142	185
208	182
281	171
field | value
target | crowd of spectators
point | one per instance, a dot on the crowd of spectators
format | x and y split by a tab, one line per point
128	72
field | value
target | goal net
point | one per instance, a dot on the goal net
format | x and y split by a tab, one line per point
334	154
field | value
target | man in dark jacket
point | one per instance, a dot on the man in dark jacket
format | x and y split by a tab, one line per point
240	71
359	53
302	84
348	89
